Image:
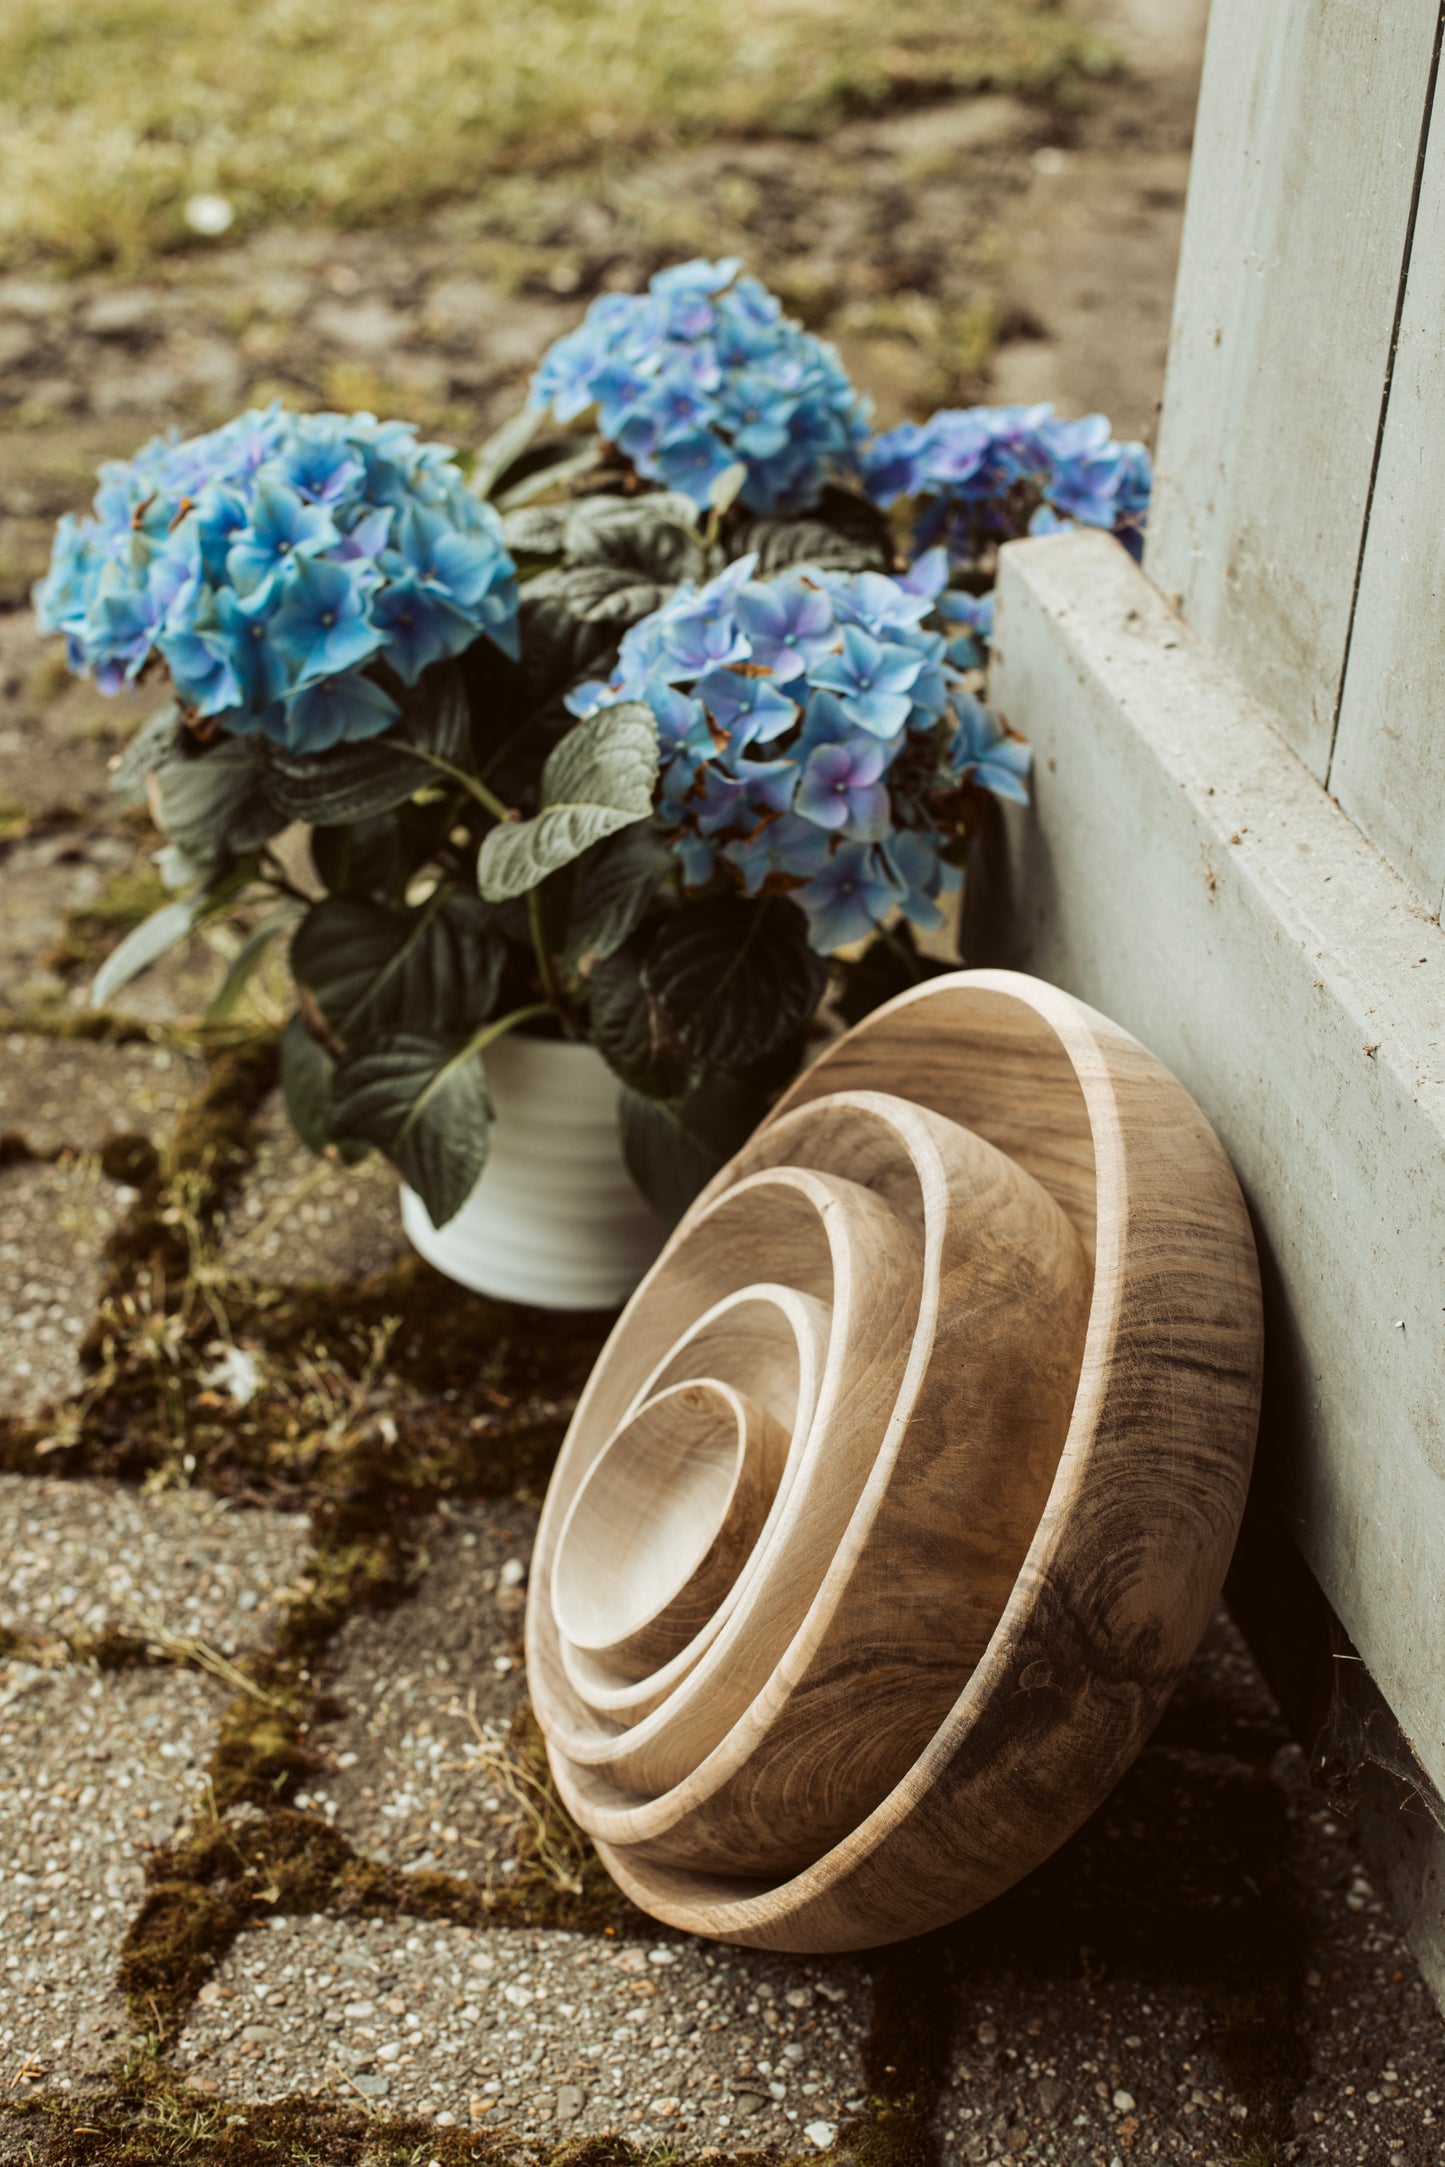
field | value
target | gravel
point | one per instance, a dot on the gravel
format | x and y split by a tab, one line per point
428	1687
93	1771
54	1223
539	2033
301	1218
67	1095
88	1557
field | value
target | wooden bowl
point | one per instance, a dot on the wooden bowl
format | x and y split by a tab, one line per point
904	1487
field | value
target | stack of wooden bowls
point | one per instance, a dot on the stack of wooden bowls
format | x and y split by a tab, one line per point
904	1487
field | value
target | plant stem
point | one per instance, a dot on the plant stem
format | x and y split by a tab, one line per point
484	797
545	971
498	1028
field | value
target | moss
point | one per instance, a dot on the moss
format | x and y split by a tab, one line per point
91	931
155	2119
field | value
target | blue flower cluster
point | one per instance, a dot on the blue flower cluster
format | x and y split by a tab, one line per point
982	475
812	728
702	372
271	563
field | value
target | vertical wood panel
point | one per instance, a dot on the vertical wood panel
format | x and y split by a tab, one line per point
1299	205
1389	765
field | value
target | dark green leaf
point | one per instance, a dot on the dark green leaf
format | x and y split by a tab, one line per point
423	1101
354	782
629	1030
215	804
602	594
559	648
306	1072
673	1151
845	534
654	536
616	882
434	967
598	779
360	857
890	964
734	979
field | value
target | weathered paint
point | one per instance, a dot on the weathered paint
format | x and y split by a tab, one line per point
1389	764
1308	141
1182	871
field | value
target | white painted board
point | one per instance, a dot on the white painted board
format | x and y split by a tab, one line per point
1389	764
1308	137
1182	871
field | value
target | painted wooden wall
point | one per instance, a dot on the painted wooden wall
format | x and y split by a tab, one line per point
1388	769
1301	206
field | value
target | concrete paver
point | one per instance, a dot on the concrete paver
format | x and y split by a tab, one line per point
94	1770
540	2033
430	1690
91	1557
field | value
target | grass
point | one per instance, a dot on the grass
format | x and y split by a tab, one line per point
114	113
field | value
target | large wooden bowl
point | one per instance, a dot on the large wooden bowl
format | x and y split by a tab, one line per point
903	1489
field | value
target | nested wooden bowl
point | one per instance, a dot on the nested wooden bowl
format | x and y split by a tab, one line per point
903	1489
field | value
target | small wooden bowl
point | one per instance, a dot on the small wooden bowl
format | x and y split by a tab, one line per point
902	1491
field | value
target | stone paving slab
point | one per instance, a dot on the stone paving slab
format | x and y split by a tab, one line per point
65	1094
430	1690
90	1557
301	1218
93	1771
538	2033
54	1223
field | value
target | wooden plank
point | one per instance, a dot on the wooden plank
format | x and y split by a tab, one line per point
1389	764
1181	871
1299	200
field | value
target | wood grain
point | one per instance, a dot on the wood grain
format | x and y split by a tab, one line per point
989	1273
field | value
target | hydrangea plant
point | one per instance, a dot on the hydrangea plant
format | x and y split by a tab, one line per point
703	374
292	572
649	732
813	737
975	477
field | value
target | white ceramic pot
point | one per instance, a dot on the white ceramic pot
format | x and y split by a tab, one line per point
555	1219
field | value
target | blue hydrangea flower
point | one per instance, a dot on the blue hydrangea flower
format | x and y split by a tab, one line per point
278	568
842	680
982	475
702	372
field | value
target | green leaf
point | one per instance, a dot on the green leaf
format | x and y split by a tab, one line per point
616	883
735	979
215	804
556	474
160	739
503	448
423	1101
599	779
246	961
673	1151
434	967
306	1073
355	782
600	594
890	964
655	536
143	944
846	534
